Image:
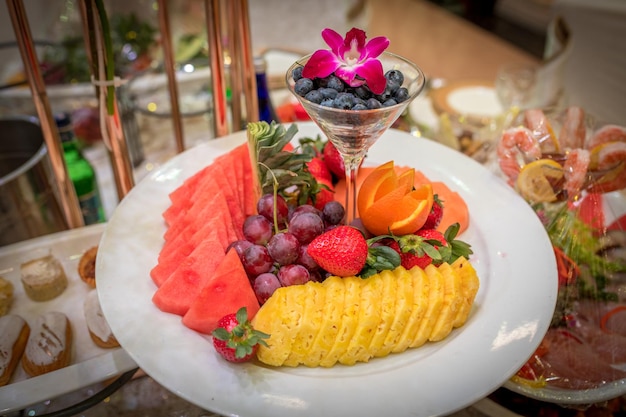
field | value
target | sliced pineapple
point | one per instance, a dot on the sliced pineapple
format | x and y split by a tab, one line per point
331	319
314	297
404	307
266	321
435	302
388	311
421	289
452	297
349	321
469	288
369	318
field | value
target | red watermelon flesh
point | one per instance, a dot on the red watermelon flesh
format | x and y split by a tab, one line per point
182	287
197	211
226	292
181	197
179	248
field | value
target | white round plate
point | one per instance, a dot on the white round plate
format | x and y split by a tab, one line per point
513	257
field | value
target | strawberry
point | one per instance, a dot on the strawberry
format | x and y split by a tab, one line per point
435	215
324	196
317	167
235	338
334	161
420	249
342	251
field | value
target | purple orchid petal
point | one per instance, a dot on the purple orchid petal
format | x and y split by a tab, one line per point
376	46
321	64
332	39
353	45
372	72
348	75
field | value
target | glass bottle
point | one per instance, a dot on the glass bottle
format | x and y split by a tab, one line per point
81	172
266	110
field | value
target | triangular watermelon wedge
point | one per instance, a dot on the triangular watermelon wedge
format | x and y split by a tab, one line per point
180	289
226	292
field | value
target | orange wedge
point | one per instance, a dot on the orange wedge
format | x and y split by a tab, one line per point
420	202
399	212
377	183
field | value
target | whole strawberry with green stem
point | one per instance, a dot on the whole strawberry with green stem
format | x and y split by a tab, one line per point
342	251
235	339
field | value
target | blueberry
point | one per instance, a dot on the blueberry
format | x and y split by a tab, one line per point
395	76
297	73
390	102
358	100
401	95
359	106
362	92
335	83
328	92
392	86
303	86
372	104
385	95
314	96
327	102
344	101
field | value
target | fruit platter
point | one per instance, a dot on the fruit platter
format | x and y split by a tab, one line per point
571	171
508	318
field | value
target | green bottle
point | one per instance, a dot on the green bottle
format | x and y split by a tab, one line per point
81	172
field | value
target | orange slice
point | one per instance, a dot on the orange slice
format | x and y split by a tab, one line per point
378	182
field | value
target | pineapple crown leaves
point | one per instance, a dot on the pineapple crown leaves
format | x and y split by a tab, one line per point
289	173
243	337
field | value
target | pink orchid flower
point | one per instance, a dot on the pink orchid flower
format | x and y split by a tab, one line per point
351	59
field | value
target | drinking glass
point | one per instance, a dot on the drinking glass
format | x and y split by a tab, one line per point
353	132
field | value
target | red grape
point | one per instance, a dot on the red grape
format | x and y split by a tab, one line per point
284	248
293	275
256	260
265	207
257	229
306	226
265	285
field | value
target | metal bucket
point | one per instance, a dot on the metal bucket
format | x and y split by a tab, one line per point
28	200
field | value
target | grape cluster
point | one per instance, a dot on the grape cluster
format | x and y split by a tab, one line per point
274	257
333	92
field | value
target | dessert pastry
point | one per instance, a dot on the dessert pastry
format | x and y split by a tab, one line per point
97	325
14	333
49	346
43	278
6	296
87	266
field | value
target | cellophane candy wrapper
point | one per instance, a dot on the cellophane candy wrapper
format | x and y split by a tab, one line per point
572	171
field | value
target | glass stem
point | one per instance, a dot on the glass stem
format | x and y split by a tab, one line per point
352	168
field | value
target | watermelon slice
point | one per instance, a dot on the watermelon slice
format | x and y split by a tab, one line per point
180	289
181	197
226	292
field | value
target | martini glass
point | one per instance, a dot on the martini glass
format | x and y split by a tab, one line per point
353	132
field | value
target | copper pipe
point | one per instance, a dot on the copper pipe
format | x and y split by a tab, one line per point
242	20
168	63
235	67
216	61
67	194
118	152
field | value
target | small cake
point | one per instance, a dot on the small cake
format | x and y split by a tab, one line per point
49	346
6	296
87	266
14	333
97	325
43	278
